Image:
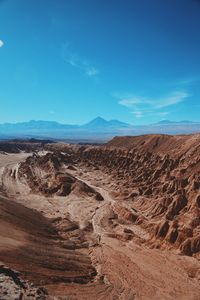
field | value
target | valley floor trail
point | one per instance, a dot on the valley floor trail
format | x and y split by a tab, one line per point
80	247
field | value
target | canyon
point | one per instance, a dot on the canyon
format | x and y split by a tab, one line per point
115	221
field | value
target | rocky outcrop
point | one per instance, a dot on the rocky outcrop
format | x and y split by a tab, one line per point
177	205
12	286
16	146
124	214
43	174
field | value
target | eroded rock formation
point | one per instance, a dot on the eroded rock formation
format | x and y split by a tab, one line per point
161	175
86	216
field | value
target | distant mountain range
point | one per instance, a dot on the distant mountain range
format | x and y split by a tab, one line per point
97	129
100	123
168	122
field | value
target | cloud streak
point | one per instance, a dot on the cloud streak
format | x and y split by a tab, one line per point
78	62
1	43
173	99
141	106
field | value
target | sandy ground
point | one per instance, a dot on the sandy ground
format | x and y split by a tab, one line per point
126	268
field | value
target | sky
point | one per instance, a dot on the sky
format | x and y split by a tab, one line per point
137	61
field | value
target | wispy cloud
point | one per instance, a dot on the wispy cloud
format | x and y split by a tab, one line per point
141	106
143	112
75	60
172	99
92	71
163	113
133	101
52	112
185	82
1	43
138	114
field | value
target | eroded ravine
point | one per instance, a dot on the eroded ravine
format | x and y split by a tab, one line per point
125	267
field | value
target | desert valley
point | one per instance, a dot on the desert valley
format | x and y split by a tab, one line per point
99	150
119	220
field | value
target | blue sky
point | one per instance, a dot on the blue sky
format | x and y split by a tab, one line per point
73	60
